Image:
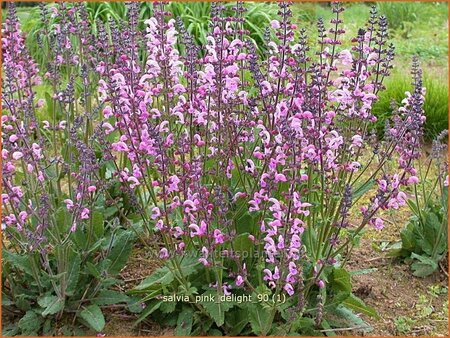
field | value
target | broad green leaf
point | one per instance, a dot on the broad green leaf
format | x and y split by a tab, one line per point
340	280
351	319
97	223
30	323
356	304
216	309
184	322
337	299
52	305
135	305
10	330
326	326
168	306
408	237
152	307
413	206
260	319
303	324
121	250
93	316
309	238
6	301
73	273
189	265
236	320
63	219
161	276
243	245
92	269
425	267
109	297
245	223
362	189
21	262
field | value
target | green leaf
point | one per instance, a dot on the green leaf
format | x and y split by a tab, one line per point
309	238
362	189
326	326
337	299
30	323
97	223
92	269
413	206
10	330
340	280
408	238
109	297
356	304
73	273
135	305
20	262
215	333
161	276
52	305
425	267
152	307
184	322
215	308
245	223
189	265
63	218
168	307
6	301
121	250
304	324
236	320
93	316
243	245
351	319
259	319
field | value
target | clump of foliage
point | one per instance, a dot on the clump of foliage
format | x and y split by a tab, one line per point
400	14
237	172
425	237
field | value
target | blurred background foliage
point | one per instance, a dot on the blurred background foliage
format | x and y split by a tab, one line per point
416	28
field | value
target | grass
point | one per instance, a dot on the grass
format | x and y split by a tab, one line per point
436	101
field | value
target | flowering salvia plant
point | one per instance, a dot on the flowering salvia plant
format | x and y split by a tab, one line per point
424	240
61	249
247	177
